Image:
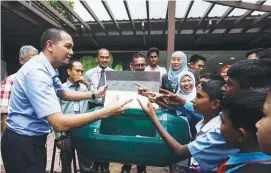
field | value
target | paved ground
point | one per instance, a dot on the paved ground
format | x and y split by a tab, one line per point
114	167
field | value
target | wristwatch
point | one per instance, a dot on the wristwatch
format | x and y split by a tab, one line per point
93	96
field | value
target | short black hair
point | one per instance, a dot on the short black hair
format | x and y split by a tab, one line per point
266	54
213	89
245	108
53	34
251	73
257	51
196	57
102	49
137	55
212	76
151	50
72	62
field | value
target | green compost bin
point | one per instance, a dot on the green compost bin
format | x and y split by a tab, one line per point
131	138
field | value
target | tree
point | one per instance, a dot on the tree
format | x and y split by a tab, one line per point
61	9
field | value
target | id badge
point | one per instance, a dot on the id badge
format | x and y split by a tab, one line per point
76	107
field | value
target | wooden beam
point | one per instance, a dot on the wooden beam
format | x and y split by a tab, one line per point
171	31
129	15
261	34
110	33
21	14
68	8
205	15
212	28
90	11
38	13
256	21
57	14
148	16
186	15
221	19
242	18
106	6
243	5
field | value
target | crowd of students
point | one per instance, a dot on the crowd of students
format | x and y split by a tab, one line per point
230	108
229	115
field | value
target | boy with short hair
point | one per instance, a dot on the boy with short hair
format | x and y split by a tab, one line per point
264	126
240	113
209	148
247	74
210	76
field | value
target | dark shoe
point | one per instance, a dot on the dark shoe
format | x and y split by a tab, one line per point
105	170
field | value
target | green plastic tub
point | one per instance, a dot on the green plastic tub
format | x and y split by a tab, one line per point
131	138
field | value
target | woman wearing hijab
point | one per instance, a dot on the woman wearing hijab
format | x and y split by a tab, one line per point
187	88
178	64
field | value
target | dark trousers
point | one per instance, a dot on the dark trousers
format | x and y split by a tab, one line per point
66	158
138	167
26	154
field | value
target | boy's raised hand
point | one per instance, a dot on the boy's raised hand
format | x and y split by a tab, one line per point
142	90
148	109
170	98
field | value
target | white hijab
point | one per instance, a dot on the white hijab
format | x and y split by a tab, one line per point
191	95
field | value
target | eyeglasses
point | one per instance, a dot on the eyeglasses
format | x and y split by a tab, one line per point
139	65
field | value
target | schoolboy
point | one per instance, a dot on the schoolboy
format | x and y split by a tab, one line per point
209	142
240	113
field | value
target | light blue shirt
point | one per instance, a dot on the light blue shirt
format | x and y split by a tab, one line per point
189	112
209	149
34	97
238	160
68	107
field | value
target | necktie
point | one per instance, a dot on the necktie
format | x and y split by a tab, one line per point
102	79
102	83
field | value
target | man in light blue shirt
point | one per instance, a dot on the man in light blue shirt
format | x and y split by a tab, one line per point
75	82
34	106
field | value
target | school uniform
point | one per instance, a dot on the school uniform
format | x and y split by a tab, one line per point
253	162
209	149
